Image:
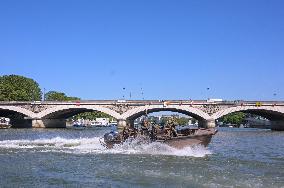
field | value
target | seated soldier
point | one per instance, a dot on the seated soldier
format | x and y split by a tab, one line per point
173	130
125	133
167	130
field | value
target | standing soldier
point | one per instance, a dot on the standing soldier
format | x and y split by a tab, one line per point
144	128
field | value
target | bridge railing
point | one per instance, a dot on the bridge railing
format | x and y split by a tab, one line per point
144	102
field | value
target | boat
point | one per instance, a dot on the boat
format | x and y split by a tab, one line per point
100	122
200	136
113	123
79	126
5	123
180	139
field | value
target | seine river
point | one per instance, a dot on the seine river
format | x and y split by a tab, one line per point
75	158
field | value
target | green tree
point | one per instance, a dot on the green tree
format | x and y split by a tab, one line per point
182	121
92	115
58	96
234	118
19	88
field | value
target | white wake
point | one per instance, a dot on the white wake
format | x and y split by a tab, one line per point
93	145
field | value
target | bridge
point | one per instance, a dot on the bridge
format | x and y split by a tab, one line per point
53	114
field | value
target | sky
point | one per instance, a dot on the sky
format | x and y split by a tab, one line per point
153	49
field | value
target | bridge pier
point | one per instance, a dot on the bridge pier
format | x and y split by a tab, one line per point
49	123
277	125
207	123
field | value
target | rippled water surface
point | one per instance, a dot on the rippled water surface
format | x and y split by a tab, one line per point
75	158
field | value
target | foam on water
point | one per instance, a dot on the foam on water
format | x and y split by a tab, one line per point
93	145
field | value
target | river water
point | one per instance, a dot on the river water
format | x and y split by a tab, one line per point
75	158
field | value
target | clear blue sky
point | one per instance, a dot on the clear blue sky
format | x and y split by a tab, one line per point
172	49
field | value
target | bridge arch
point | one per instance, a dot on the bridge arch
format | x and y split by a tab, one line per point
70	110
269	112
187	110
7	110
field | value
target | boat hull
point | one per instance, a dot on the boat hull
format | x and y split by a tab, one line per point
5	126
182	142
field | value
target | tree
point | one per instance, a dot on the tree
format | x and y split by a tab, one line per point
92	115
58	96
182	121
234	118
19	88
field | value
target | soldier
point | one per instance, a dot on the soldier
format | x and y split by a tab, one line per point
153	132
167	129
170	128
132	131
173	128
144	128
125	133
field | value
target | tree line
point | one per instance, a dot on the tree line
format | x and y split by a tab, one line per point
20	88
236	118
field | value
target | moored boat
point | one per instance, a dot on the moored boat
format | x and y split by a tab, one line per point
5	123
78	126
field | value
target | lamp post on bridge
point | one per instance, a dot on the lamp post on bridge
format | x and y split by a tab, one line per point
43	94
123	96
142	93
208	97
274	96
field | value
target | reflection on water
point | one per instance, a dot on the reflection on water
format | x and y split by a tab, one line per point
65	157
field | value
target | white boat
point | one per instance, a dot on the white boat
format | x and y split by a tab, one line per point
96	124
113	123
4	123
79	126
101	122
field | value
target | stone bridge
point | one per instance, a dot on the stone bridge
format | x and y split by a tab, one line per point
54	114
